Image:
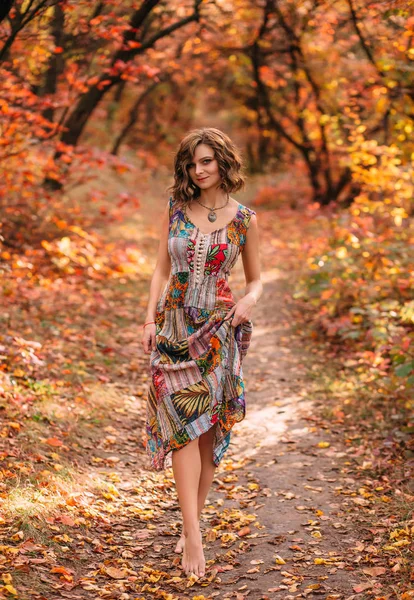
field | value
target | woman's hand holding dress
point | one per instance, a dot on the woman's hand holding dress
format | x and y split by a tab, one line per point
148	338
240	312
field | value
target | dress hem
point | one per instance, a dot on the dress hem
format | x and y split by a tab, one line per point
160	458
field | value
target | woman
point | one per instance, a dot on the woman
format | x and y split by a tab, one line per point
196	333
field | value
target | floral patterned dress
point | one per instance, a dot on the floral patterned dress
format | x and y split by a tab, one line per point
196	368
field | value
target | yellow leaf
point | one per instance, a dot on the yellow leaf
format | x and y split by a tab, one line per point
323	561
192	579
253	486
313	586
399	533
11	589
18	372
323	444
279	560
13	425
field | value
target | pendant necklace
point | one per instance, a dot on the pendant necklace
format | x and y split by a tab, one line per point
212	215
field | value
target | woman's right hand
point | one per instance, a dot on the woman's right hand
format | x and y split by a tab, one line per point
148	338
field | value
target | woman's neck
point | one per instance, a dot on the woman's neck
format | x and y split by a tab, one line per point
214	199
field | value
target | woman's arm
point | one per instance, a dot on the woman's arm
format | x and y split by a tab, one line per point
159	278
251	261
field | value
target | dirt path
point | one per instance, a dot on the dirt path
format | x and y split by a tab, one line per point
276	525
275	496
280	521
286	480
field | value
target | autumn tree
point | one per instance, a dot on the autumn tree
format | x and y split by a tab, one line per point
5	8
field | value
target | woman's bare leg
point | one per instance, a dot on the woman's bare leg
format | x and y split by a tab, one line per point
208	469
186	464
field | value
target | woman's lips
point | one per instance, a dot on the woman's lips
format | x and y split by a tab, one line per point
202	179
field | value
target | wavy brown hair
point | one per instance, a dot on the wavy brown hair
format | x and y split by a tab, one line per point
228	157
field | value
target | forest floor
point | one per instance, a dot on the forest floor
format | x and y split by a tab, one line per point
294	510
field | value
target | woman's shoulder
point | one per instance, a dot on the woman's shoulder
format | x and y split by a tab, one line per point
246	211
174	203
175	208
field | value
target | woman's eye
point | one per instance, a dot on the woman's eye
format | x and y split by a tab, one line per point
191	165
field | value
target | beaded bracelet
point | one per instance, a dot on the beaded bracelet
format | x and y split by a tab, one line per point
148	323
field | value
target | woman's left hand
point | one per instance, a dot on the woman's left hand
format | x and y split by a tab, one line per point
240	312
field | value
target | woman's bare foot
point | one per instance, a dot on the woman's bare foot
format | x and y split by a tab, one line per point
193	560
180	544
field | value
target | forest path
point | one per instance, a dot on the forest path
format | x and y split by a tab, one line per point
277	522
281	518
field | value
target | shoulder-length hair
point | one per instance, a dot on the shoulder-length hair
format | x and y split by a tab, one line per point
229	161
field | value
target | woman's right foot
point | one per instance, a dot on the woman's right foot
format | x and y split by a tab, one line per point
193	560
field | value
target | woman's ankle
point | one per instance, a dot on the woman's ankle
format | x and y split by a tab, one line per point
192	530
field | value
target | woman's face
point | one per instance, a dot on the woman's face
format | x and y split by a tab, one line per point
203	170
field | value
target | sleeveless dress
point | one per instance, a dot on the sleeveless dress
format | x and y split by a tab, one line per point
196	376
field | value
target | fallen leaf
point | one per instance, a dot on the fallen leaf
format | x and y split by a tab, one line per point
374	571
54	442
361	587
115	573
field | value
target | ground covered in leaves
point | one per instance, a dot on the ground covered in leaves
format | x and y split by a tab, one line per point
309	501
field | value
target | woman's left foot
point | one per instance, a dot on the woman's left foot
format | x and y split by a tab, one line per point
180	544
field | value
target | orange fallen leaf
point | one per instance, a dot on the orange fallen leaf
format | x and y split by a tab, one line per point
54	442
374	571
13	425
66	520
243	531
361	587
62	570
115	573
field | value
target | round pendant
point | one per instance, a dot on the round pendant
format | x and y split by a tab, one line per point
212	217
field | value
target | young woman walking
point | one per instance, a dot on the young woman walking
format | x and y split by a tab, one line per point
195	332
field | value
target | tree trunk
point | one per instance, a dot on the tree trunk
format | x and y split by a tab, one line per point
5	7
133	116
56	62
90	100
